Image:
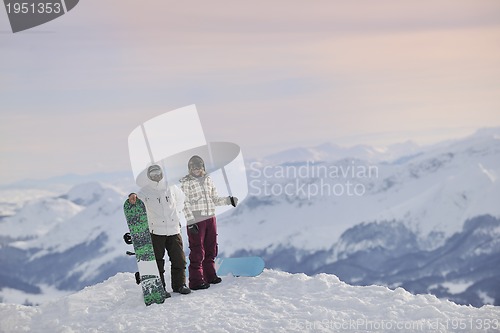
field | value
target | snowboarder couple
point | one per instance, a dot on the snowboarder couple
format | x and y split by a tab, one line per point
197	200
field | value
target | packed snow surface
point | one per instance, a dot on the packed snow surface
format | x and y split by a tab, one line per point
273	302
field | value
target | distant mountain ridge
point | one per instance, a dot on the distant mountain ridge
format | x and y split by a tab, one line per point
63	183
329	152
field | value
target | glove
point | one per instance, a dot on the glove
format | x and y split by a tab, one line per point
193	227
234	201
127	238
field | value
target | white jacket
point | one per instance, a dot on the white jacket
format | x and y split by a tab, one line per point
163	207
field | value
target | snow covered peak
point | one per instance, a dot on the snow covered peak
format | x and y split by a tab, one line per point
88	193
100	212
36	218
491	132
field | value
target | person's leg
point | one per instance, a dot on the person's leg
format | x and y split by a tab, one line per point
211	250
178	261
159	250
196	255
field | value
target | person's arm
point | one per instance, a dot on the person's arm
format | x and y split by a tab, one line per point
220	201
188	214
179	198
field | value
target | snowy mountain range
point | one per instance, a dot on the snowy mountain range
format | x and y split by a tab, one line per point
423	218
429	222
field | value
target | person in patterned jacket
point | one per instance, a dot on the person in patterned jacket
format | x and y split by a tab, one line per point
199	210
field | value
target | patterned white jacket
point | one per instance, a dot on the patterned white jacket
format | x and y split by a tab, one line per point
163	206
201	197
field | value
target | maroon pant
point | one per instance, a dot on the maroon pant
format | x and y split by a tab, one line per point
203	250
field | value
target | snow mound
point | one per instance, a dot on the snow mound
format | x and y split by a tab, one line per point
274	301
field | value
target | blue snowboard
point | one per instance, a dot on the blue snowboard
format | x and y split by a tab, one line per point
243	266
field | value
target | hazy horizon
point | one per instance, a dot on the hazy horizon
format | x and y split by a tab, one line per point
252	158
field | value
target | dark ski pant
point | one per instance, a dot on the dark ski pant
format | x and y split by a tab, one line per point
203	250
175	251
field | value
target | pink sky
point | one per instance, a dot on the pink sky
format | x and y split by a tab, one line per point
265	75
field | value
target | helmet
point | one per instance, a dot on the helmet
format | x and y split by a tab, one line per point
155	173
196	162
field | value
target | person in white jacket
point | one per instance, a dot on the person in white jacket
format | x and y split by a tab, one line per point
163	205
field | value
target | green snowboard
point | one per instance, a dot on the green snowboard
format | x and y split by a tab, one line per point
137	221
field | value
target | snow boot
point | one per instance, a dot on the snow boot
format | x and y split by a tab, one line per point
183	290
216	280
201	286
